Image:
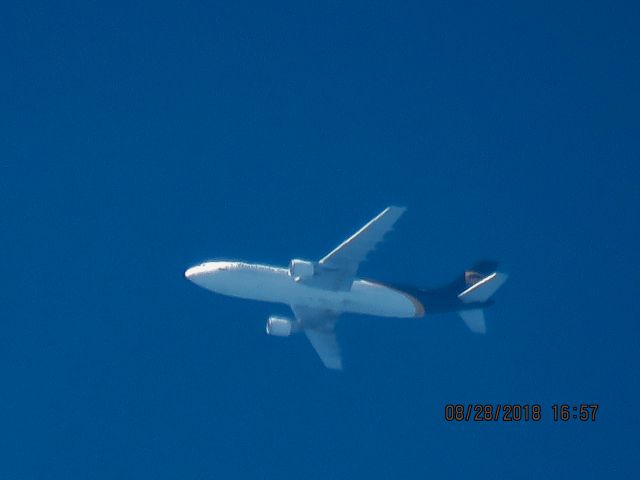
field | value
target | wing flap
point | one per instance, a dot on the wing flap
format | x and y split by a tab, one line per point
326	346
319	327
342	262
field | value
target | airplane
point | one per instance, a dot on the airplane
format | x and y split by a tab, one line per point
319	291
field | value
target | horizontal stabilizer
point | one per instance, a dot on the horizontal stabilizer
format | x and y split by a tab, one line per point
482	290
474	319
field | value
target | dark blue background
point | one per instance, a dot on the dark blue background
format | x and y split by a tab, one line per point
140	139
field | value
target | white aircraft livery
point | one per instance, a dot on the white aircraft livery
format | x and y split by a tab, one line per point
319	291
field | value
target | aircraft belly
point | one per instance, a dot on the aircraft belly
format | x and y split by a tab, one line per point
364	297
252	285
374	299
268	287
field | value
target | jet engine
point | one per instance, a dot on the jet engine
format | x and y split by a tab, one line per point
300	269
280	326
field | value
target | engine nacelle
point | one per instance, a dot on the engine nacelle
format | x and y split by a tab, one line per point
279	326
300	269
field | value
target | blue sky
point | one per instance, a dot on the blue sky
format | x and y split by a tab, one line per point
140	139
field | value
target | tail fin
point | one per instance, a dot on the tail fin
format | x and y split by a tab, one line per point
480	289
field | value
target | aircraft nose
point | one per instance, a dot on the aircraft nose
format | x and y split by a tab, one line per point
191	273
198	273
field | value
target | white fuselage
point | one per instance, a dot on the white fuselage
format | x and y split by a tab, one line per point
272	284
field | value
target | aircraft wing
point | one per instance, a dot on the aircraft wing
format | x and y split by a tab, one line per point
319	327
341	265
